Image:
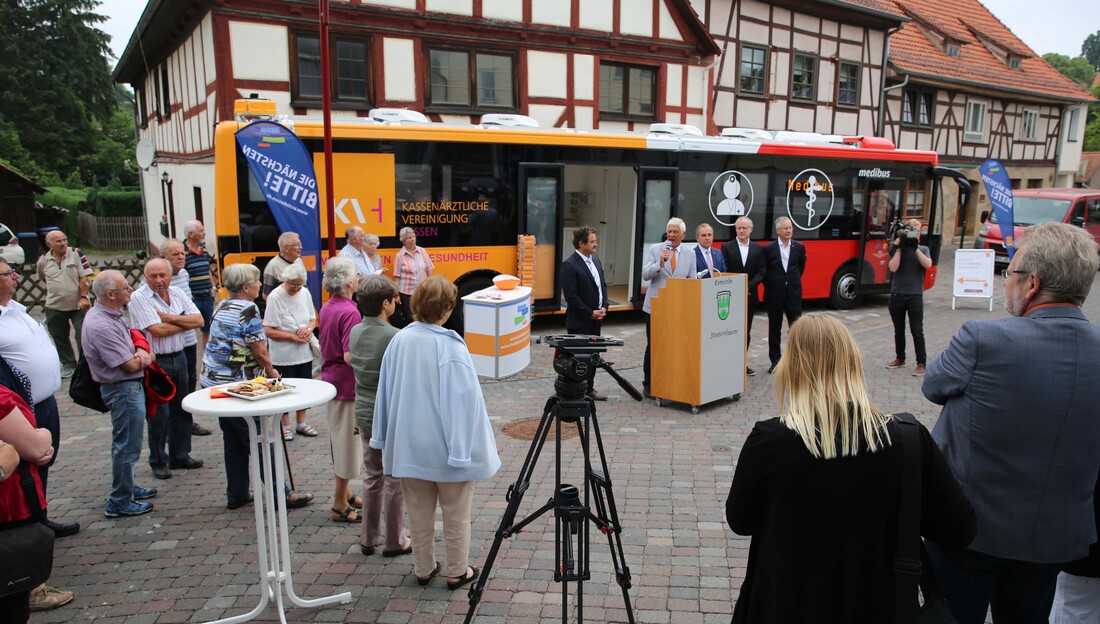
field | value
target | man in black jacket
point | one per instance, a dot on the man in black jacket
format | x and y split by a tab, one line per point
744	256
585	290
785	259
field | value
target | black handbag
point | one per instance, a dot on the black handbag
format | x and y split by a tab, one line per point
912	566
84	390
26	550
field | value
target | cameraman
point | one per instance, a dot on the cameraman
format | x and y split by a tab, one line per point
908	262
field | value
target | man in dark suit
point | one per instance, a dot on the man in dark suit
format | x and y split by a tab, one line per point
785	259
707	258
1020	432
585	290
744	256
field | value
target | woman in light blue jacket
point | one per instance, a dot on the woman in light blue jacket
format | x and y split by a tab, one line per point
431	425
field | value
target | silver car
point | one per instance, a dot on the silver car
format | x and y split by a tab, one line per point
9	247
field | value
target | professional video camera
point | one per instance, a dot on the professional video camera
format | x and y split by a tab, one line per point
908	237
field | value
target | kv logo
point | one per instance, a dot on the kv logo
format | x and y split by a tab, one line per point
359	218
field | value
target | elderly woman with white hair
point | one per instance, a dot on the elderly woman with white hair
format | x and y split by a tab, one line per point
289	322
338	316
411	265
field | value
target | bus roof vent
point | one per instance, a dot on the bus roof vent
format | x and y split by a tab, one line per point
509	120
747	133
397	115
673	128
253	108
808	138
870	142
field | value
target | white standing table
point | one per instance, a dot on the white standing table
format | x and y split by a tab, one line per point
272	535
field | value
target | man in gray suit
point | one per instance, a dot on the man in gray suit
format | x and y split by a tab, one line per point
664	260
1020	429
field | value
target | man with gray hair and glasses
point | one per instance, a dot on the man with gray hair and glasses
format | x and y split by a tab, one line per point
1021	433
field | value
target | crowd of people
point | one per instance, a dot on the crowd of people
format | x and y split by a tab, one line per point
1008	475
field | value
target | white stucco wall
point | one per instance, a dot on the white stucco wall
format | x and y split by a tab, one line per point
259	51
399	85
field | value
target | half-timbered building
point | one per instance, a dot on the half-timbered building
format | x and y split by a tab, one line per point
962	84
589	64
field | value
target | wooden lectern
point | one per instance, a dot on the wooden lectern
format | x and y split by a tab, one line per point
697	339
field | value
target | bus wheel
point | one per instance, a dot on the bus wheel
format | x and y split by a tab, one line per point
843	295
466	287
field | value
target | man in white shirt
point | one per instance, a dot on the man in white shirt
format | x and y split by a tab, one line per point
786	262
585	291
164	313
27	347
176	254
356	249
744	256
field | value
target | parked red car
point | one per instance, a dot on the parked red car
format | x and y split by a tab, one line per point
1080	207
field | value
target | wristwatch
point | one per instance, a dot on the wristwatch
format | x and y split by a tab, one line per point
3	473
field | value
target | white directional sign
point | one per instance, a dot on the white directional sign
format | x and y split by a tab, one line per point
973	275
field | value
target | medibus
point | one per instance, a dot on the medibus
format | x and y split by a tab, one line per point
468	191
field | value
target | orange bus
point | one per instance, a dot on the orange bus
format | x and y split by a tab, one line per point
469	190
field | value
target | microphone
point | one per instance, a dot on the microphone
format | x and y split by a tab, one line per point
668	246
702	274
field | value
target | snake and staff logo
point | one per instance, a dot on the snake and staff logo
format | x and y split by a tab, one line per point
731	196
810	199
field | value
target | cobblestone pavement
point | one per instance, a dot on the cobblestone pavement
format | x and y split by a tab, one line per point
191	560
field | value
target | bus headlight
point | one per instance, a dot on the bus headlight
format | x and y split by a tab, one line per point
984	231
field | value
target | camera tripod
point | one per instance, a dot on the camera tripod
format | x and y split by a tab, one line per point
576	364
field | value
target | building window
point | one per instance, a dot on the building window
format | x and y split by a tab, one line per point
916	107
142	106
1013	63
349	69
802	76
975	121
953	50
166	102
914	201
628	91
754	69
1031	121
1034	183
847	84
1072	126
471	80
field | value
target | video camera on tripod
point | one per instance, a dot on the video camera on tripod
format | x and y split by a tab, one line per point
576	359
576	362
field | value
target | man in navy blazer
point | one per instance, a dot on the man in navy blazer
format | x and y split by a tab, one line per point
1021	432
785	259
585	290
704	236
744	256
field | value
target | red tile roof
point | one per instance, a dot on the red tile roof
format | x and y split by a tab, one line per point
1091	160
912	52
881	6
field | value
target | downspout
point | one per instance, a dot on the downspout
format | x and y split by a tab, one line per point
881	125
709	87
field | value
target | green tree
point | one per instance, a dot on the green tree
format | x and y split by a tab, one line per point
55	88
1092	129
113	147
1091	49
1077	69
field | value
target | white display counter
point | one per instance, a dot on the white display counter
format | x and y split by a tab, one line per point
498	330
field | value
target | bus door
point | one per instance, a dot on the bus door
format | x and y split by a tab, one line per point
882	201
541	186
655	205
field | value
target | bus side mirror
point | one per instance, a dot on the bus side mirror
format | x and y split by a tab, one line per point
985	215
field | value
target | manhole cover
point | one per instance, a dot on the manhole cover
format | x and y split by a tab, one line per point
525	428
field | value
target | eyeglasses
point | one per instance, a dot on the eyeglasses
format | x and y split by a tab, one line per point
294	286
127	288
8	272
1005	273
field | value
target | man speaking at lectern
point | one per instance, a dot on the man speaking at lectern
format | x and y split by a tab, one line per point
664	260
585	290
